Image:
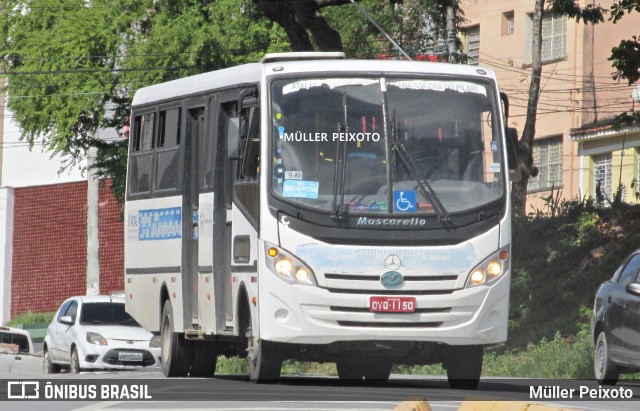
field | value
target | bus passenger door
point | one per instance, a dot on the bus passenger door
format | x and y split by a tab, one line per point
236	199
246	199
190	206
228	124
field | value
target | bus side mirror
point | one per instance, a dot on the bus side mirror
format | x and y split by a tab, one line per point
512	155
233	139
251	152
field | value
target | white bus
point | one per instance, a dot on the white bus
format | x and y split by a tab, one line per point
315	208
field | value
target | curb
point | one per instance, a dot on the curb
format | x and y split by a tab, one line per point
421	404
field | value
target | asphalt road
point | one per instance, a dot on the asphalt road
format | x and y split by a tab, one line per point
293	393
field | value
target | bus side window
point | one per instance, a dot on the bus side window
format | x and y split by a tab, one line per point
142	154
168	149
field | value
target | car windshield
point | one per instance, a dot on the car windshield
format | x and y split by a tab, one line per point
10	340
107	313
338	142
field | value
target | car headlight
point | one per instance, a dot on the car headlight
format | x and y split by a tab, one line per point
155	341
288	267
491	269
96	338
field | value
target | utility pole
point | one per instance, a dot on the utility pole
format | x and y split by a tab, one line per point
93	240
451	34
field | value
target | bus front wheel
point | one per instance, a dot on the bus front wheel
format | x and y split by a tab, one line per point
464	366
176	358
263	359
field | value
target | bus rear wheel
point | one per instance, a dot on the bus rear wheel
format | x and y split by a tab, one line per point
176	358
377	371
205	359
350	369
263	359
464	366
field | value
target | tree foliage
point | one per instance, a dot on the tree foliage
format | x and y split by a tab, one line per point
417	25
72	66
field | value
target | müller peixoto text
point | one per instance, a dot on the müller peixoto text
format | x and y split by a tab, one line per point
582	392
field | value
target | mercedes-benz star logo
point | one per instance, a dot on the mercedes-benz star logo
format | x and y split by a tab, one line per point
392	262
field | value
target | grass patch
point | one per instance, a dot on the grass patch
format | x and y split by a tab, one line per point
31	318
238	366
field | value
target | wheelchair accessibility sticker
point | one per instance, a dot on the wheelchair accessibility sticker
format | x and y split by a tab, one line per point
404	201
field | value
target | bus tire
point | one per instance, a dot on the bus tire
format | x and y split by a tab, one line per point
350	369
176	359
263	359
464	366
204	360
377	371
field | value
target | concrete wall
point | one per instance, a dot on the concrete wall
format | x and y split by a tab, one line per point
6	241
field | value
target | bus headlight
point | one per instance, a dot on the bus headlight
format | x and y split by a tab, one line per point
287	267
283	266
491	269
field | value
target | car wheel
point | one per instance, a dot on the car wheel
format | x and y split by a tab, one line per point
74	366
605	370
350	369
49	367
263	359
464	366
176	356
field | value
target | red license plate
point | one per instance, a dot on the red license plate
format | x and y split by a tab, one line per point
392	304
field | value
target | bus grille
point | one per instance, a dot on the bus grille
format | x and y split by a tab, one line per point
389	325
439	284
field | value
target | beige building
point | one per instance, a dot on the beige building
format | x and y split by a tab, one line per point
576	148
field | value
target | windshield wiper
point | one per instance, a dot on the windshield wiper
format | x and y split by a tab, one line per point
411	166
340	165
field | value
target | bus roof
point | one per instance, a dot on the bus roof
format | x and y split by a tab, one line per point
253	73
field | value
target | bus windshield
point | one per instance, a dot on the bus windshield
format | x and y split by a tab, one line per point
386	145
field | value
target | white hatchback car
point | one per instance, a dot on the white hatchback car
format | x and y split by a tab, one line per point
95	332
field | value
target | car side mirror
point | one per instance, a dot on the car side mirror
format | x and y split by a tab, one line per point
67	320
633	288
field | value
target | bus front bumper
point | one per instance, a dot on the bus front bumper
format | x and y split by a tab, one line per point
312	315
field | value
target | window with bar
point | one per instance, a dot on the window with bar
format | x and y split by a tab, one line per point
547	156
472	44
602	175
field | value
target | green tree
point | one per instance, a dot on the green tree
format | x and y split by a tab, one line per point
318	24
590	13
72	66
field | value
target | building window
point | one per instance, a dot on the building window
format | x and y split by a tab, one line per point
602	175
547	156
554	37
472	44
507	23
